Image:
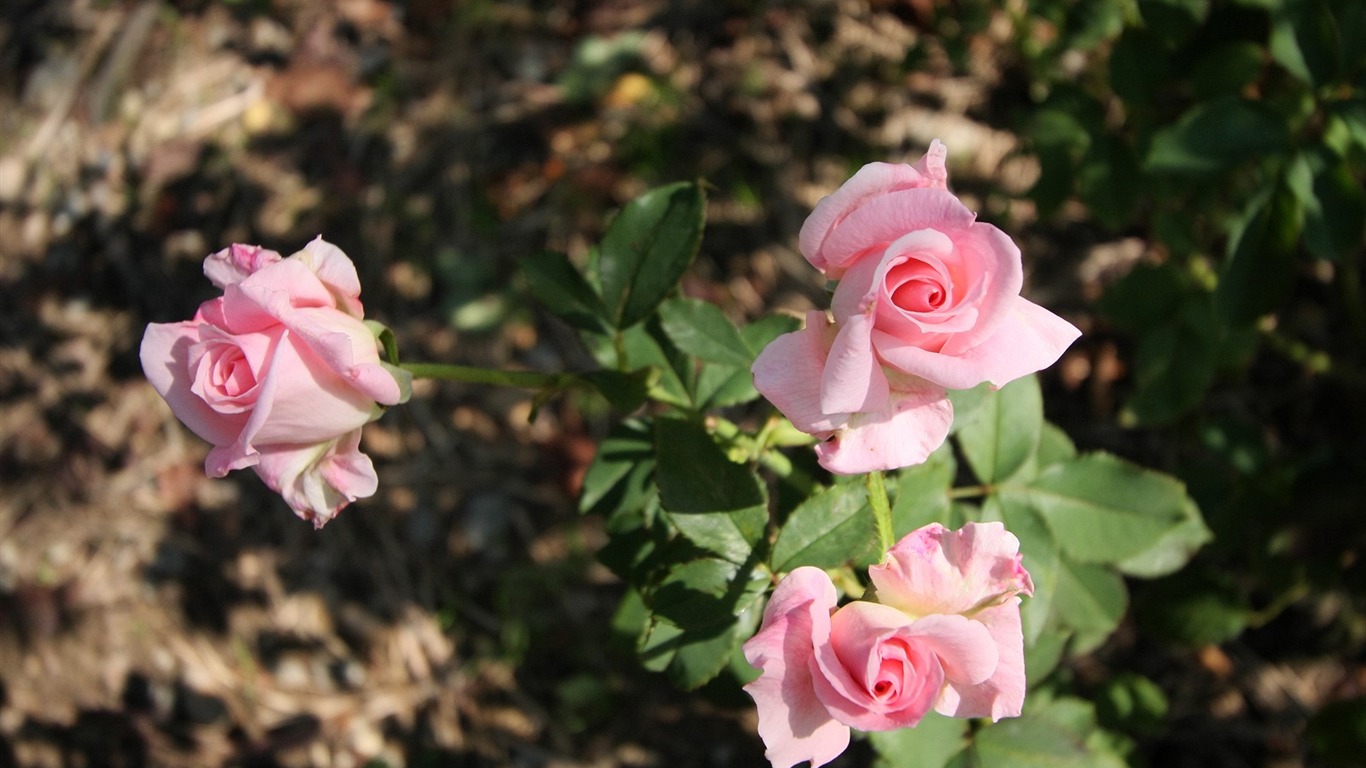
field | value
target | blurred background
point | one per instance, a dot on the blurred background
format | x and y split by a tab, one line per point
1184	178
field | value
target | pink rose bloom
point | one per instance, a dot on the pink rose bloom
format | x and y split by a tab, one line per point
279	373
928	300
944	634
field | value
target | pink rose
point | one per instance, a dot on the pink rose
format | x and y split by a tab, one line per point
279	373
928	300
944	634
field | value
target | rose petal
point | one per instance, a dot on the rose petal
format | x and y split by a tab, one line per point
233	264
206	357
313	401
871	180
241	452
289	293
910	428
965	647
318	480
348	347
272	293
336	270
871	644
165	356
1002	694
1030	339
881	220
853	380
793	723
787	372
933	570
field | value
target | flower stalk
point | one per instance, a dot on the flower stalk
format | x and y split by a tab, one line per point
882	510
472	375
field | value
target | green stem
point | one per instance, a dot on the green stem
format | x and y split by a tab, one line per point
970	491
882	510
471	375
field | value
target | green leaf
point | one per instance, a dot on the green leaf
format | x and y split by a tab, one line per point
1145	297
702	330
692	657
1092	22
922	492
1110	181
1176	362
1216	135
647	248
1173	20
1055	734
1091	600
689	658
1058	138
1044	654
625	391
832	527
706	593
932	743
1001	434
966	402
1055	446
763	331
559	286
1352	114
631	620
619	477
694	473
1138	69
1102	509
1261	266
643	349
1171	552
721	386
1333	202
1132	702
1228	68
1040	558
1192	608
731	535
1304	40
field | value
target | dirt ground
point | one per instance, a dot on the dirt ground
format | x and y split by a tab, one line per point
151	616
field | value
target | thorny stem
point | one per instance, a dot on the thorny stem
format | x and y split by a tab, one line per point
882	510
471	375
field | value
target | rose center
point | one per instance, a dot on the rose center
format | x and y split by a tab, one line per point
232	374
914	286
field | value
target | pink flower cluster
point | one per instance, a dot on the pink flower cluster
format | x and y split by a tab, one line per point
928	300
944	633
279	373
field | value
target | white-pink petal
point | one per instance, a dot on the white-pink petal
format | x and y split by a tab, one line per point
318	480
787	372
853	380
965	647
935	570
912	425
883	219
165	357
1002	694
336	270
793	723
871	180
1029	339
233	264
